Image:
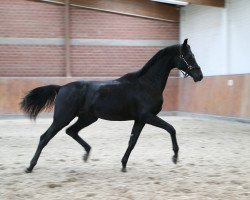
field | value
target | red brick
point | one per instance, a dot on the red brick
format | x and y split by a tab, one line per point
30	19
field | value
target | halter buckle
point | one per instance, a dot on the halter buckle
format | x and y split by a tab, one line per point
190	67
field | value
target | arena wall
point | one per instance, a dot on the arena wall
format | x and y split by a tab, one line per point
216	95
227	95
219	37
102	43
105	45
14	90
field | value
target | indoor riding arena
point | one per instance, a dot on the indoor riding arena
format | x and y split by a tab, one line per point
193	92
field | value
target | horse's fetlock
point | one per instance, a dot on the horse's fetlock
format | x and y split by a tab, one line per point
176	149
88	149
33	163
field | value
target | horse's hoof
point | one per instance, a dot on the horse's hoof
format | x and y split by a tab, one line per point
27	170
86	157
124	169
175	159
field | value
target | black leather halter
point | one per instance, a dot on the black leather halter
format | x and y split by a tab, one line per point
190	67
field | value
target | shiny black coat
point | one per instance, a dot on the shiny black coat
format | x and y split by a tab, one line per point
135	96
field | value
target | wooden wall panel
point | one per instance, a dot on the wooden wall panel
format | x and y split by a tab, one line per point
14	90
210	96
214	96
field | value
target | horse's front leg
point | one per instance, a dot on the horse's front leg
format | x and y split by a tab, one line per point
137	128
158	122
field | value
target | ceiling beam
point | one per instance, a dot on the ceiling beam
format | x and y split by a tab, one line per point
215	3
139	8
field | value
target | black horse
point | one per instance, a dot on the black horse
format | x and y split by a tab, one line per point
135	96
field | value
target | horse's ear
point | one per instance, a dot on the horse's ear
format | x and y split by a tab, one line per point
185	42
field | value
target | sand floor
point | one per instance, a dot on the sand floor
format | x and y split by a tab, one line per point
214	162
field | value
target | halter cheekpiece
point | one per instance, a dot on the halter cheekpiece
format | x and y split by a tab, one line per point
190	67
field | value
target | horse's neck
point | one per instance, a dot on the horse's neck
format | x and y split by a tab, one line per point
157	70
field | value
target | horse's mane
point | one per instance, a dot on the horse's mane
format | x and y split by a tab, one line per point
151	62
156	58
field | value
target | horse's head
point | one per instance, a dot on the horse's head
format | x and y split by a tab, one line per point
187	63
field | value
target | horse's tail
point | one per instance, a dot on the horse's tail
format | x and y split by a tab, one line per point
39	99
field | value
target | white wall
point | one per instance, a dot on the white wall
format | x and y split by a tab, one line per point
219	37
239	35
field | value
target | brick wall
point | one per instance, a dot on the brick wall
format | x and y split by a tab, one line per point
31	60
103	25
27	19
22	19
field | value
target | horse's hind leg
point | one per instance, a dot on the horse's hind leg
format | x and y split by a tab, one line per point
82	122
44	139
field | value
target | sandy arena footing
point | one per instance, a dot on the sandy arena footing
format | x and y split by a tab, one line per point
214	162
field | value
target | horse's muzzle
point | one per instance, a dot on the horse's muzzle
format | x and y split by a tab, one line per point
198	77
